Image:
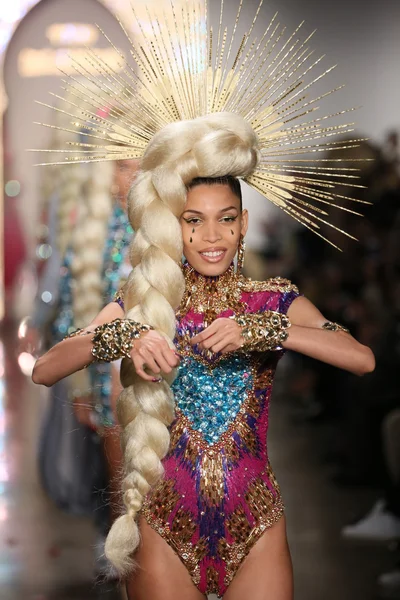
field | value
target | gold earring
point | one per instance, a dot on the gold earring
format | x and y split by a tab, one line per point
240	255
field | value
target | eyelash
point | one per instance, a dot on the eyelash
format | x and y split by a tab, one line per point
196	221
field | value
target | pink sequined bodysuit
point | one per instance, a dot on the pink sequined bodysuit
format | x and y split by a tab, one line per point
219	493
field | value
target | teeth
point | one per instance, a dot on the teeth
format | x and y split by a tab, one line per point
213	254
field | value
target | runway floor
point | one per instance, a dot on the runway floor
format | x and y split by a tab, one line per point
47	555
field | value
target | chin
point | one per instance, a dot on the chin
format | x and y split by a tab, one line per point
210	269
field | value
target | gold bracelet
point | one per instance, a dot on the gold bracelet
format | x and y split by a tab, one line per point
75	333
334	327
115	340
263	331
119	297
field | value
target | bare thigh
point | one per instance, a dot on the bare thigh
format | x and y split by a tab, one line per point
266	573
160	574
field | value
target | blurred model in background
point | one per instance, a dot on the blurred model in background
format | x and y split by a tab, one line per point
95	285
84	236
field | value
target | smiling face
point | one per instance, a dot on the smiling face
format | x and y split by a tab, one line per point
212	223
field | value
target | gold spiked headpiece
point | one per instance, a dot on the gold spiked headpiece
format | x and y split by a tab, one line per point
181	67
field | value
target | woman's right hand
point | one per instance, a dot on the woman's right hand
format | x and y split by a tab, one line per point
152	351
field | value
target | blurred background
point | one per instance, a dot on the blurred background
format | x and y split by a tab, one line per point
335	439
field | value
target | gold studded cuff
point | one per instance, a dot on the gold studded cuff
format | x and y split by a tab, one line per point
76	333
115	340
263	331
334	327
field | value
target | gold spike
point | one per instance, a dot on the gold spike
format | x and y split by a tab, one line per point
232	38
180	70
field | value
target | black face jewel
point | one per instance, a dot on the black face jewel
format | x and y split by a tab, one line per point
191	241
232	232
193	230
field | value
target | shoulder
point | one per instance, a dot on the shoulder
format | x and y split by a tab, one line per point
276	293
275	284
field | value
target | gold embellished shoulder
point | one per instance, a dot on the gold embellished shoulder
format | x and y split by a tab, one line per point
275	284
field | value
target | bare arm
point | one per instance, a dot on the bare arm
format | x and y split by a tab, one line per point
336	348
72	354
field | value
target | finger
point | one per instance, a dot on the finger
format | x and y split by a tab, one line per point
203	335
149	360
163	352
139	363
172	357
229	348
197	339
218	347
224	344
217	337
163	363
214	339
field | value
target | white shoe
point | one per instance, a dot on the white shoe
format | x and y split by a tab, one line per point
378	525
390	579
389	585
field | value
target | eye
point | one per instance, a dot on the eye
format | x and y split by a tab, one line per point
193	221
229	219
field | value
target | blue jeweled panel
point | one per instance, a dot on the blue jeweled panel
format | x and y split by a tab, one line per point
211	398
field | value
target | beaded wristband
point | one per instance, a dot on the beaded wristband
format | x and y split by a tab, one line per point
114	340
77	332
263	331
334	327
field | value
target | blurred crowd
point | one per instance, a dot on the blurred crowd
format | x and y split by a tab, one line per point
359	288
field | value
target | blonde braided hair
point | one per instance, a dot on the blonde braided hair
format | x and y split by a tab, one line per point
212	146
88	242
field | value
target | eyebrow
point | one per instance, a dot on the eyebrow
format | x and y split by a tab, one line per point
197	212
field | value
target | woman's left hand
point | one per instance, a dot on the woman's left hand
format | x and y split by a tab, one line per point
223	335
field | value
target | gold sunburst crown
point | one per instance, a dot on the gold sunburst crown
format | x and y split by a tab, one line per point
184	66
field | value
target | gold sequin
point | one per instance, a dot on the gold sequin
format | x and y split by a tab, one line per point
259	499
212	580
164	498
119	296
248	436
238	525
264	379
183	526
275	284
212	478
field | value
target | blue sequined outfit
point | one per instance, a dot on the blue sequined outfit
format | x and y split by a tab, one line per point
64	322
118	239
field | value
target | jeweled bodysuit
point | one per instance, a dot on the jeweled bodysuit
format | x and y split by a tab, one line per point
219	493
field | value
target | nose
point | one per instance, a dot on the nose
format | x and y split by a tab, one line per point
212	233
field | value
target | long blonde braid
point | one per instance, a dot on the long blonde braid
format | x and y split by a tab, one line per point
88	244
212	146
